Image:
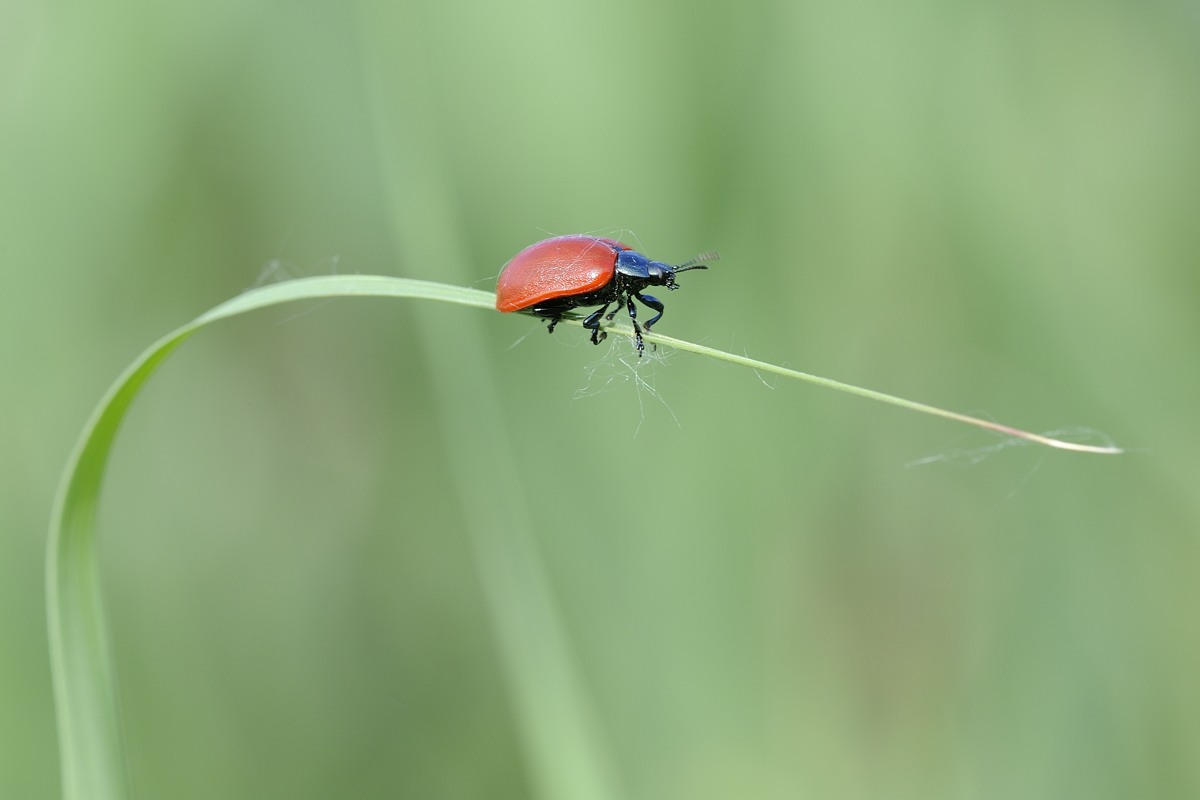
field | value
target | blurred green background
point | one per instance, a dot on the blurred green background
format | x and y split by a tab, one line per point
991	207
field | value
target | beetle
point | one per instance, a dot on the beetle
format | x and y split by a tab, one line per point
553	276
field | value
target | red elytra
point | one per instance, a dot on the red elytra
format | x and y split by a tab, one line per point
560	267
552	277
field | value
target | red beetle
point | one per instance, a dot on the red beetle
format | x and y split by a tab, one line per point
556	275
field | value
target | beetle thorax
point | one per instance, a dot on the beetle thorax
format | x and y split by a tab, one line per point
641	271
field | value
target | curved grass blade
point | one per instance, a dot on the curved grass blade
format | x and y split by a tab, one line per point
92	760
84	683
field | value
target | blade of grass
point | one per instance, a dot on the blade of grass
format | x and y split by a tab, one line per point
91	751
881	397
92	755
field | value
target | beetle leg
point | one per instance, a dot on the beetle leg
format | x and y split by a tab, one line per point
651	302
593	323
553	322
637	329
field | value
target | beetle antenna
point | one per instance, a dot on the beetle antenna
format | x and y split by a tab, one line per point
699	261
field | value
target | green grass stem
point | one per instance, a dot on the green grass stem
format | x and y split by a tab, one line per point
92	755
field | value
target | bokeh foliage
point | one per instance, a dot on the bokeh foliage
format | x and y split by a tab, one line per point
990	207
